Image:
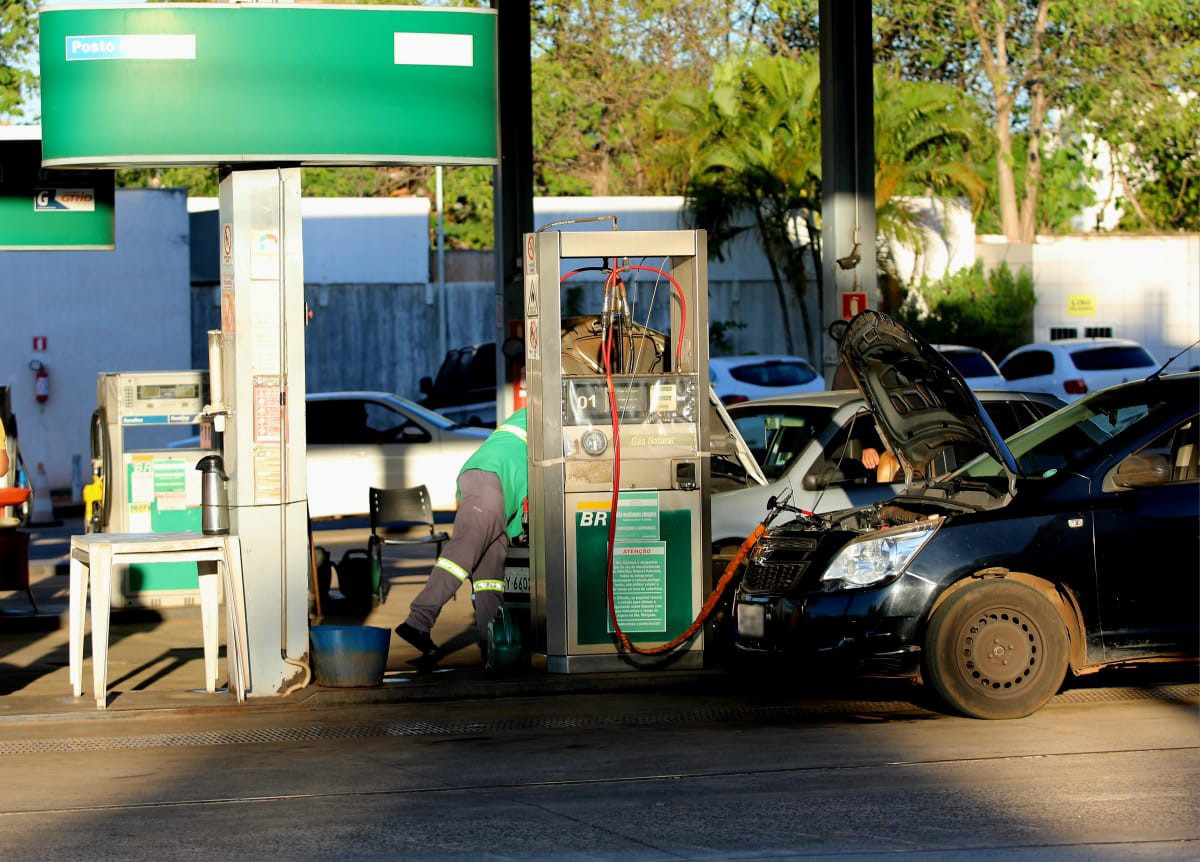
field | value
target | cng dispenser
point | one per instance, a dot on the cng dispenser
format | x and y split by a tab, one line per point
144	485
616	412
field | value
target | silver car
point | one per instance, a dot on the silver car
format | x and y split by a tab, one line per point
824	446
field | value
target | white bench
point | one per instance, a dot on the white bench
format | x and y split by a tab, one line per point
92	557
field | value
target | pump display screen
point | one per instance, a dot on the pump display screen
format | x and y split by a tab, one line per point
160	391
639	400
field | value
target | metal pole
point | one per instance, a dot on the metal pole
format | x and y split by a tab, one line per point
441	265
847	165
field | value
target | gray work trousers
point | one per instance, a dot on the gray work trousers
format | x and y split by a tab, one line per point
477	549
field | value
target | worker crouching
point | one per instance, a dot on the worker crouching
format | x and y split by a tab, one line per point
492	487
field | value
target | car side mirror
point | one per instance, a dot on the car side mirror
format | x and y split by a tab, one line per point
425	385
1142	471
824	477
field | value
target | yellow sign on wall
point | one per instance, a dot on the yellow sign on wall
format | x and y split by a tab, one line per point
1081	304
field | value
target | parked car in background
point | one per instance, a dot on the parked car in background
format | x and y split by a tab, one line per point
812	445
1074	544
1072	367
742	378
360	440
976	367
464	388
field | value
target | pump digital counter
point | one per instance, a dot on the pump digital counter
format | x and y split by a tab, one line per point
640	400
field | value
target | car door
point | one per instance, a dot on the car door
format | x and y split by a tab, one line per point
1148	552
342	462
409	450
835	475
1031	371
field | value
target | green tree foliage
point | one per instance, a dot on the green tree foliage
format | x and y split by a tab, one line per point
18	48
992	311
753	146
599	69
757	139
1052	76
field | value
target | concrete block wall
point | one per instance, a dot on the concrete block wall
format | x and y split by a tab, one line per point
121	310
1142	287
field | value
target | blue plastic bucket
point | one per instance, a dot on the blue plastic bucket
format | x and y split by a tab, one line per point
349	656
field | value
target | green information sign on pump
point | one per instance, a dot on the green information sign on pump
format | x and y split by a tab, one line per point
234	84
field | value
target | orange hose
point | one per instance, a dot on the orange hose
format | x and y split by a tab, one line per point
709	605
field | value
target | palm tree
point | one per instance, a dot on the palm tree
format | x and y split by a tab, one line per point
753	143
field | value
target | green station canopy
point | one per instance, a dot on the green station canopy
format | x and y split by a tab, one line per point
159	84
46	209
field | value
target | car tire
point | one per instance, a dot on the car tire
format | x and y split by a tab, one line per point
996	650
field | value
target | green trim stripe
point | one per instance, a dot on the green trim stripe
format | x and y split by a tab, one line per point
451	567
492	586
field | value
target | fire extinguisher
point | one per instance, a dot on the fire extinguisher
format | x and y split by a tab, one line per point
41	382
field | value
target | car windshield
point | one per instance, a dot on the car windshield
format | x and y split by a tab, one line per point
1064	437
777	433
971	363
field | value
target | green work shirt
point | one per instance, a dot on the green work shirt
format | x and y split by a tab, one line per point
506	453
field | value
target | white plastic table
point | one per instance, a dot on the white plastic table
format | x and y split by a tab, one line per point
94	554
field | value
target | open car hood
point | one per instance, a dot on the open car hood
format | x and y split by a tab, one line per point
923	408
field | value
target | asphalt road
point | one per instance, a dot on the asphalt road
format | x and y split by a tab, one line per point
1100	774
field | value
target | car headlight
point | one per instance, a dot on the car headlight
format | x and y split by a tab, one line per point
877	556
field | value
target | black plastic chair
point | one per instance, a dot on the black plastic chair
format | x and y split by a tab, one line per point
395	509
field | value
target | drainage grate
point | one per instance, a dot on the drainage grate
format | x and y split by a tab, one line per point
583	722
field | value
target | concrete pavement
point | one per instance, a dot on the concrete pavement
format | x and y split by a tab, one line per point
156	656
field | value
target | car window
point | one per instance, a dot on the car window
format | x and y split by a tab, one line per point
842	459
1031	363
1009	417
386	425
774	373
971	363
1180	446
333	422
1064	437
1111	358
776	434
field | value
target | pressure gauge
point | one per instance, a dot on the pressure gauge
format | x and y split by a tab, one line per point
593	442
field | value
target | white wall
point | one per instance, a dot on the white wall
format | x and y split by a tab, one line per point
121	310
744	259
1145	287
947	239
360	240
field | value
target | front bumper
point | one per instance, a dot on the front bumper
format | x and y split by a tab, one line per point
873	630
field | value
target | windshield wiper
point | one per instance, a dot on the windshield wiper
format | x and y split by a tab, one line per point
1163	367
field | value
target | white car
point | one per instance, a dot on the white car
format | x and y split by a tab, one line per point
358	440
976	367
813	445
744	378
362	440
1072	367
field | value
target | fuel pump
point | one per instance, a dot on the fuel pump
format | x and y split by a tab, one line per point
619	478
141	482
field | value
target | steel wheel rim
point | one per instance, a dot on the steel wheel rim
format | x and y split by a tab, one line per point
999	651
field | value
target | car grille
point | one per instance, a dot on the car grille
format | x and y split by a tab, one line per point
779	565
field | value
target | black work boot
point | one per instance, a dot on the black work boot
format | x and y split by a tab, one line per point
421	640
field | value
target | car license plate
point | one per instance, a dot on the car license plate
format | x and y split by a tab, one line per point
751	620
516	579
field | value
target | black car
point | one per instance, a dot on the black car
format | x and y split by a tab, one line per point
1075	544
